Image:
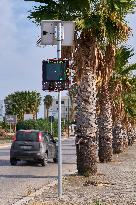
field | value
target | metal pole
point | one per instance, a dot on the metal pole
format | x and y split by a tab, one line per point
68	116
36	107
59	117
51	124
10	127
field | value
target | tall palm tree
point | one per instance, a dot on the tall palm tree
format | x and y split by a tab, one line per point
96	22
116	13
105	117
130	109
120	86
47	104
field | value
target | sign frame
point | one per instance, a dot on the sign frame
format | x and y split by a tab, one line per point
11	119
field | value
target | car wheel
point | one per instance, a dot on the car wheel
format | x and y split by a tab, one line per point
13	161
44	160
55	160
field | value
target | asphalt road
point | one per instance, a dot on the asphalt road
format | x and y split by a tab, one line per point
18	181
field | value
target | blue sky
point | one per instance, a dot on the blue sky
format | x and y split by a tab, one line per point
20	59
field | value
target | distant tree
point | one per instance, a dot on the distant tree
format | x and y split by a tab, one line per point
47	104
24	102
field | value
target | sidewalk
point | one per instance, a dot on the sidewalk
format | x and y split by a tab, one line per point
115	184
4	145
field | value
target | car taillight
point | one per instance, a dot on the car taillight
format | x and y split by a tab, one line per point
40	137
14	138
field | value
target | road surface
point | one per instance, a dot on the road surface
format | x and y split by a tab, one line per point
18	181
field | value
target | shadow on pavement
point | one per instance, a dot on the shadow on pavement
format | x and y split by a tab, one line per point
32	164
69	163
28	176
4	162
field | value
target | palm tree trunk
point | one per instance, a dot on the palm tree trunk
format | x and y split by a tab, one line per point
44	111
47	113
125	138
105	113
86	111
117	138
105	126
131	135
86	127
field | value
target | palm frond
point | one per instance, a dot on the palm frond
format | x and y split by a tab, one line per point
128	69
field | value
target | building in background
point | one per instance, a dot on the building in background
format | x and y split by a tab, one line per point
65	108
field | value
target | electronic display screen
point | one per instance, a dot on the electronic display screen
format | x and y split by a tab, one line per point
54	71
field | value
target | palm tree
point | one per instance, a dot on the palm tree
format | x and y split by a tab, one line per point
105	117
96	23
130	109
47	103
116	21
120	86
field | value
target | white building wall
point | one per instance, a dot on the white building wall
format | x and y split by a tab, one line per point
64	107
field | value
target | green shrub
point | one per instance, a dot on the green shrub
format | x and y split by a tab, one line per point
4	126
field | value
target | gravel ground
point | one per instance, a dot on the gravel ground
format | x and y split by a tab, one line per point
115	184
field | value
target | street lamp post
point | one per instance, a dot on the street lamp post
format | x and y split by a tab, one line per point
36	106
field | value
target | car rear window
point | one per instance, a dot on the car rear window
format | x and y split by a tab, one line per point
27	136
